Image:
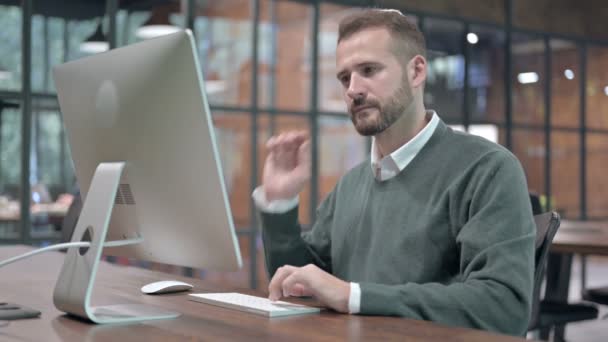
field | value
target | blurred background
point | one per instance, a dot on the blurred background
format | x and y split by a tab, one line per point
530	75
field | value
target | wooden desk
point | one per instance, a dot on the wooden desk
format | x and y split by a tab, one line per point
573	237
581	237
31	283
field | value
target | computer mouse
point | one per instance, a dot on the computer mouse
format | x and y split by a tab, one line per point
165	286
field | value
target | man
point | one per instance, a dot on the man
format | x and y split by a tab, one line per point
439	228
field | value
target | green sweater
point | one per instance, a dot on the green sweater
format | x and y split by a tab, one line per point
450	239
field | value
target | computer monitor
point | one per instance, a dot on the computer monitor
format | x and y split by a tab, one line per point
146	159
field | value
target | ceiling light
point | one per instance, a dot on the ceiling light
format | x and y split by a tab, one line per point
472	38
96	42
569	74
527	77
157	25
606	90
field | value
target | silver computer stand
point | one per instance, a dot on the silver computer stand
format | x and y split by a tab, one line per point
75	283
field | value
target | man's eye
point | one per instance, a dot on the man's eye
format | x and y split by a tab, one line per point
344	80
368	70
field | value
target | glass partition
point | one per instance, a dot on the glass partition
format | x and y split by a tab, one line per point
565	84
486	97
10	168
284	64
528	79
529	148
10	54
445	75
223	33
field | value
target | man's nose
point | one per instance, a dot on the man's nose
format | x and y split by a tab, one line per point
356	90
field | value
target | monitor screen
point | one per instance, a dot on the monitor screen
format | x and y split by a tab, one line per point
145	105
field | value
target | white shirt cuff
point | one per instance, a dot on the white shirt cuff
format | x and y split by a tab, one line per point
272	207
354	300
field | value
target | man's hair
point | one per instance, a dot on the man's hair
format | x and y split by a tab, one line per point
407	38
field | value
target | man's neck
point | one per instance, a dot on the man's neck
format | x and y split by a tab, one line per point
401	132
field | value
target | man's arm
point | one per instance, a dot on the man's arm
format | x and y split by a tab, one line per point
285	244
286	171
496	247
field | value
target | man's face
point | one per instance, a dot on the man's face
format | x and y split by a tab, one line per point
376	87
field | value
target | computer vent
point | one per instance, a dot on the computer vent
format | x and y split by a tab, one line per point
124	195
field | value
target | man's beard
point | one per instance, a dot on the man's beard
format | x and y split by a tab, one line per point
390	112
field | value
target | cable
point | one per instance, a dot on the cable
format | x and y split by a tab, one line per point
117	243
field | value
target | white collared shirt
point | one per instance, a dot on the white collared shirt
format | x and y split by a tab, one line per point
383	169
389	166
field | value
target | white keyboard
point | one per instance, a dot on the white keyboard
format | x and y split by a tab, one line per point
258	305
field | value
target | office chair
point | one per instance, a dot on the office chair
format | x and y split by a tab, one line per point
537	207
546	314
546	227
597	295
555	315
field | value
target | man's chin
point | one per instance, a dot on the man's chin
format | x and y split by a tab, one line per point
367	130
365	123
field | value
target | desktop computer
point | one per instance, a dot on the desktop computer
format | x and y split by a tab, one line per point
146	159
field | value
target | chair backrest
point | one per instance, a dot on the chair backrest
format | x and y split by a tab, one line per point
546	227
537	207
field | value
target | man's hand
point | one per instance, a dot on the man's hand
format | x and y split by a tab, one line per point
310	280
287	166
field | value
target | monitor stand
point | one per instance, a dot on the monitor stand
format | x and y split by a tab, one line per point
75	283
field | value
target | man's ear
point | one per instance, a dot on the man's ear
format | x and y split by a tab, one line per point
416	69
